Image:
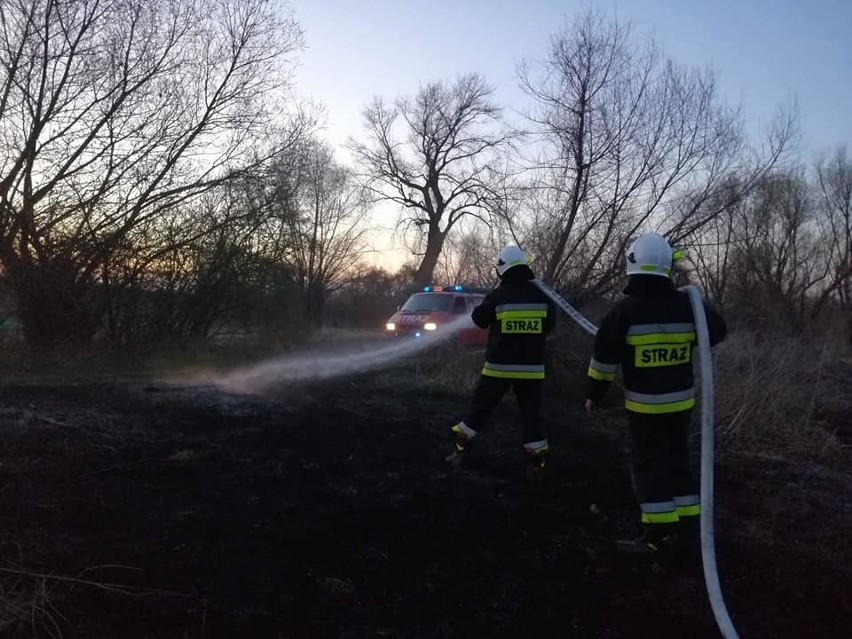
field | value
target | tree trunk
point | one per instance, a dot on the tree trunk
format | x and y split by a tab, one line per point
314	303
426	270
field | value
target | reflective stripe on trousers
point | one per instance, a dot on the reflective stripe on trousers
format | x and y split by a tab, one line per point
687	506
660	512
537	448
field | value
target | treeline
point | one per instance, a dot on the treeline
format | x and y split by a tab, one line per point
160	179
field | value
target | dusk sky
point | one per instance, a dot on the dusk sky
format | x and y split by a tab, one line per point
765	52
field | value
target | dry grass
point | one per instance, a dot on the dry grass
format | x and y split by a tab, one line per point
29	601
449	371
440	371
27	608
781	397
787	399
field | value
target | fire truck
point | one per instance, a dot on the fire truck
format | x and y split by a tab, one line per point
435	307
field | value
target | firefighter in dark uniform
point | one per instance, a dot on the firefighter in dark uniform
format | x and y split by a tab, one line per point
651	335
518	317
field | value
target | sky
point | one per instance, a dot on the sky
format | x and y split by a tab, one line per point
764	52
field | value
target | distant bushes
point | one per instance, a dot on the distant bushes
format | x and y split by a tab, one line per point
782	397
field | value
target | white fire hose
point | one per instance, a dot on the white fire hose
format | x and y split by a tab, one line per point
708	549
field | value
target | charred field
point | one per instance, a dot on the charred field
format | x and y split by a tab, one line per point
134	509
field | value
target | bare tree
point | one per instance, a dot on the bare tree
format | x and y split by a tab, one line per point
776	256
625	140
201	270
113	115
438	172
834	176
714	252
468	259
368	296
327	231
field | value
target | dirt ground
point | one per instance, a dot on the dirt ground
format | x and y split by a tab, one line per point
326	510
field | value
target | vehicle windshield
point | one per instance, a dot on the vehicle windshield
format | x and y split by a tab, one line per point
428	303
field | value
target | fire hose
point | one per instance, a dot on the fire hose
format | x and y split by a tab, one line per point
708	548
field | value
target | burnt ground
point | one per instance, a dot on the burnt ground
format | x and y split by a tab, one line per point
327	511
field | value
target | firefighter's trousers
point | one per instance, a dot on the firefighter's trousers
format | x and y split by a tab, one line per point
664	485
490	390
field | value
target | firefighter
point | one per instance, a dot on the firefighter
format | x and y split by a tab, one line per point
651	335
518	317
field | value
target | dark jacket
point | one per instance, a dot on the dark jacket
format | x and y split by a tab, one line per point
651	335
518	317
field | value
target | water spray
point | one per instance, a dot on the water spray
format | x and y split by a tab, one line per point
344	360
708	548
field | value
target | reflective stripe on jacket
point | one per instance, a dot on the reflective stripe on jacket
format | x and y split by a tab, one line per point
650	335
518	317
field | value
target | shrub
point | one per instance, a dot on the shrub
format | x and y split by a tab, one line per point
781	397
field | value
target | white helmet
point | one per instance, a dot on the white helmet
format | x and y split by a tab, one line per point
651	254
509	257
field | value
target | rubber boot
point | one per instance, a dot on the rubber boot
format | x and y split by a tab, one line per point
657	541
537	457
462	441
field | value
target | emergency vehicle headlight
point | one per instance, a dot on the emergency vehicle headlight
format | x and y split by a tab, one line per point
430	326
390	326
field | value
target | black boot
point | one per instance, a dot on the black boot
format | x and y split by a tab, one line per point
462	441
536	463
657	541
